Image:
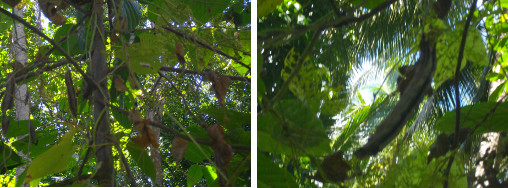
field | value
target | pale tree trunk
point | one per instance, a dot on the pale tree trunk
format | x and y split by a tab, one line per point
155	115
21	98
102	133
484	174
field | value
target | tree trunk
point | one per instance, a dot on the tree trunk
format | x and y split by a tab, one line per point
21	92
485	176
155	114
103	146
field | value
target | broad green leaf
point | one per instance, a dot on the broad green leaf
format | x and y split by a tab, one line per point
271	175
9	158
121	118
193	154
17	128
132	10
447	50
265	7
236	119
210	175
141	158
472	115
195	174
54	160
298	128
369	4
503	3
70	45
204	10
148	55
494	96
493	76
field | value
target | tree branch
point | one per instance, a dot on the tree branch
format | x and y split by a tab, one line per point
55	44
176	133
457	92
205	45
125	163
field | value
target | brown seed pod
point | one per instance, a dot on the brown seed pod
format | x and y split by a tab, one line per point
33	136
8	101
71	95
5	123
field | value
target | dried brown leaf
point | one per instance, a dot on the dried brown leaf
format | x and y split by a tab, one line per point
180	53
8	101
220	85
178	148
120	84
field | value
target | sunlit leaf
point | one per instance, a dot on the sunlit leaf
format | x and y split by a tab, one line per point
54	160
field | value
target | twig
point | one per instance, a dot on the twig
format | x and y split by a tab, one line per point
124	161
457	92
176	133
205	45
55	44
186	105
85	159
457	69
70	181
186	71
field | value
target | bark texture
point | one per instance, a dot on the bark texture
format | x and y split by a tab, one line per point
21	98
103	145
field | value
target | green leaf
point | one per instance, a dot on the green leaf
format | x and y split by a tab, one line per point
210	175
369	4
132	10
494	76
447	50
54	160
265	7
195	174
236	119
148	55
17	128
503	3
303	126
121	118
193	154
494	96
70	45
141	158
204	10
9	158
472	115
271	175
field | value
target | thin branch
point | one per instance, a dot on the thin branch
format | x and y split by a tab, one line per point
85	159
186	71
205	45
42	70
70	181
186	105
125	163
176	133
457	69
457	92
325	23
55	44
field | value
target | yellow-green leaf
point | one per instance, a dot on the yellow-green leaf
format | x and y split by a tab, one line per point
54	160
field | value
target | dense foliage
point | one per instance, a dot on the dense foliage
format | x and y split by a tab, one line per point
178	67
330	72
